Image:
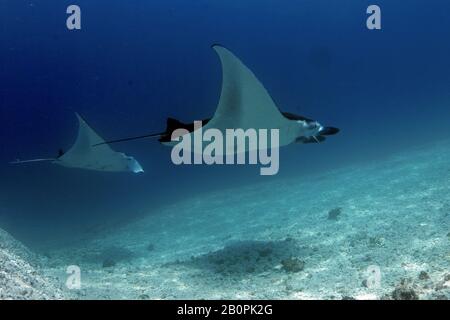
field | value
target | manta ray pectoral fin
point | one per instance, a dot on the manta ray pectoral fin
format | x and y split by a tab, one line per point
244	101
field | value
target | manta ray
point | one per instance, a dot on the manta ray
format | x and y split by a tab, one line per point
245	103
83	155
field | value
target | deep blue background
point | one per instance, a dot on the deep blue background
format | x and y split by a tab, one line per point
136	62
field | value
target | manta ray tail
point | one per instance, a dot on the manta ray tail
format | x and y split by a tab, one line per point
171	125
32	160
151	135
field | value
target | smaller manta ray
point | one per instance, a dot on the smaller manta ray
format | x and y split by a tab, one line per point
83	156
245	103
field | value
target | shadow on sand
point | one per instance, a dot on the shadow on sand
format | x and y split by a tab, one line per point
243	258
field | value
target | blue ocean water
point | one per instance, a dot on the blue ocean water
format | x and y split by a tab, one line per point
135	63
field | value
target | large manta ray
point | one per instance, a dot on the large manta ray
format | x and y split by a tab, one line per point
245	104
83	155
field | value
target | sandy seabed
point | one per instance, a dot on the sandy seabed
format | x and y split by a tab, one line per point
375	231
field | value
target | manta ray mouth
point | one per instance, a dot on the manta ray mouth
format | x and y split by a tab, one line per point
319	137
328	131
